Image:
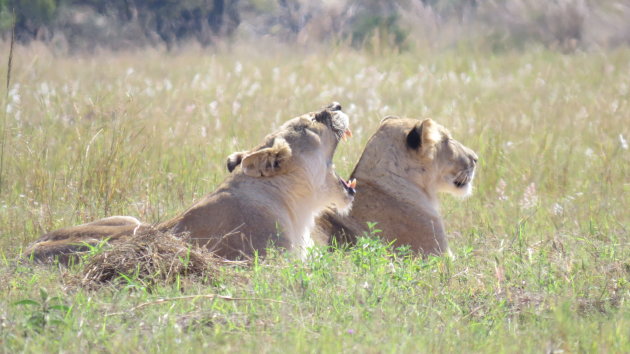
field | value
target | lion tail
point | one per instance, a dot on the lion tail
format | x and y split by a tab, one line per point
66	244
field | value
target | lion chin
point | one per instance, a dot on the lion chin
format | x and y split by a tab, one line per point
458	188
271	197
403	167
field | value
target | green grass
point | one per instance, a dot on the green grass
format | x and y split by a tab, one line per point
542	260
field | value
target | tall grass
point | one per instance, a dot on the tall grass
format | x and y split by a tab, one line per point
542	260
4	113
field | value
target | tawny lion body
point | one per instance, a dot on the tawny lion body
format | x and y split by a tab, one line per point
403	167
272	197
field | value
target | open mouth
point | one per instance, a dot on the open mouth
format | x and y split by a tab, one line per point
459	184
340	123
342	132
350	185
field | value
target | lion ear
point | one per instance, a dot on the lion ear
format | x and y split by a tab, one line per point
423	134
413	137
234	160
430	133
269	161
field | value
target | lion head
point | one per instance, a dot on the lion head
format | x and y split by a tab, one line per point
403	167
302	150
445	161
421	152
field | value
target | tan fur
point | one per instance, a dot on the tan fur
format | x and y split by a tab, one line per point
63	243
397	186
272	197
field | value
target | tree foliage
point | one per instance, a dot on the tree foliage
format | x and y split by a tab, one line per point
84	24
168	20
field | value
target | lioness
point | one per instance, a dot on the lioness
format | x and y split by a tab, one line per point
403	167
273	196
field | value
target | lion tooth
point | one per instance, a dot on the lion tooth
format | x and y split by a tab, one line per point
353	183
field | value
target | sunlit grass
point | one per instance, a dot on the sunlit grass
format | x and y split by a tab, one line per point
542	260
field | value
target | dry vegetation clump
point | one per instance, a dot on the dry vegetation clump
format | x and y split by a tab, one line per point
151	257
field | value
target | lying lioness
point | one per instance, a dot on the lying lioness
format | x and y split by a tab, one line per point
403	167
272	197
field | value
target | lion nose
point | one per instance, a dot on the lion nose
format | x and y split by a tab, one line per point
474	158
335	106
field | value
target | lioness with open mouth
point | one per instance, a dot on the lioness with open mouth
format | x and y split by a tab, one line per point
272	197
403	167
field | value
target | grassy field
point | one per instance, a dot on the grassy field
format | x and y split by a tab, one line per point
542	247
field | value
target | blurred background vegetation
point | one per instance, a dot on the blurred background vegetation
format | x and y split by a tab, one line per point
75	25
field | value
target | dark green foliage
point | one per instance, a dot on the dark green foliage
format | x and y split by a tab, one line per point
37	12
171	20
381	26
378	23
5	15
30	15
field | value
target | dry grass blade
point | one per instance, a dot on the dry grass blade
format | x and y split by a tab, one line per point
193	297
10	61
6	102
150	257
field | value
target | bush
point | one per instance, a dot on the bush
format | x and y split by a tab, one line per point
555	24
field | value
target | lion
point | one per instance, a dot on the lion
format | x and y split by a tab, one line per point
272	196
403	167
